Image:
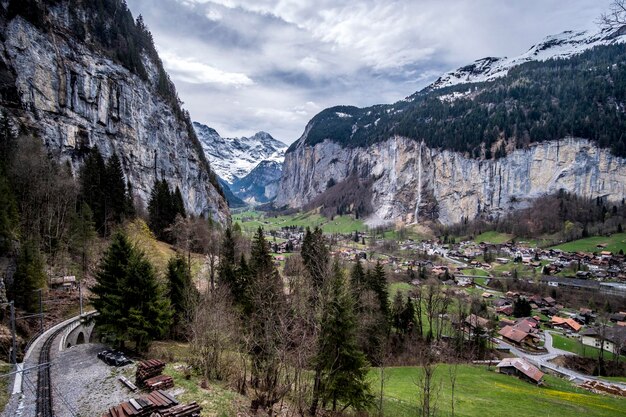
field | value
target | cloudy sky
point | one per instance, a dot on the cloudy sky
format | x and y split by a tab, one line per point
241	66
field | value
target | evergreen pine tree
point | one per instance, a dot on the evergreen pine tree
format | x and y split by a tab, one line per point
343	365
180	287
108	292
83	232
357	276
226	271
397	311
179	204
315	256
378	284
29	276
408	315
130	303
129	205
161	210
9	215
148	313
115	190
267	307
92	187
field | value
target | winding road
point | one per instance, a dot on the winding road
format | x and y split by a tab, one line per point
542	361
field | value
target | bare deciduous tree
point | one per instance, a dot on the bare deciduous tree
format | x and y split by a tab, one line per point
427	381
615	17
215	332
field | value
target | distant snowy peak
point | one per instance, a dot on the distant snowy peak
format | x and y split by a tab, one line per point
563	45
234	158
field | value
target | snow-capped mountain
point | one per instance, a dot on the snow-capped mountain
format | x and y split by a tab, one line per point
261	184
234	158
563	45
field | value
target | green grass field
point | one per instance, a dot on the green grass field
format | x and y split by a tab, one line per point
481	393
250	221
613	244
574	346
403	287
493	237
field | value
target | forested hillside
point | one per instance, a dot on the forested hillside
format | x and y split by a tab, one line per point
582	96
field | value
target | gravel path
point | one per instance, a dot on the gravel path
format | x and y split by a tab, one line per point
86	386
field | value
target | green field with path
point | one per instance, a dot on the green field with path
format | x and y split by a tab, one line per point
482	392
614	243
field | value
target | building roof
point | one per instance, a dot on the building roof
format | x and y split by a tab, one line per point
523	366
476	321
615	334
525	326
560	321
511	333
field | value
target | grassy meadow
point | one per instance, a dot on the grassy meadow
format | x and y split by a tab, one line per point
482	392
614	243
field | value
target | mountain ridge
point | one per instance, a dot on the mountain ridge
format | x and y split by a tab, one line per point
455	152
234	158
68	81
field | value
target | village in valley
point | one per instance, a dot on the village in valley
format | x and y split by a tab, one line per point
544	310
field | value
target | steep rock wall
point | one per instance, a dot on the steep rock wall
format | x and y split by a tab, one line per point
413	182
74	98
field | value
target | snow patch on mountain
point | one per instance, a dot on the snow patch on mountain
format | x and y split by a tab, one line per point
234	158
561	46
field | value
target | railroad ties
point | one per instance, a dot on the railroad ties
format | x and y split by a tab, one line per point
155	404
44	383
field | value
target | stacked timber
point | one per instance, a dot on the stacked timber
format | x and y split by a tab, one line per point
145	406
183	410
159	382
148	369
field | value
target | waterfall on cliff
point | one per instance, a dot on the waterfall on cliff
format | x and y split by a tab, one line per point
419	184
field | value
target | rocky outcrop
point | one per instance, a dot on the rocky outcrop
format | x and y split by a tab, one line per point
261	184
412	182
75	98
234	158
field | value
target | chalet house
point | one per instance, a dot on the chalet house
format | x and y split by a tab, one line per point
614	338
507	310
565	324
518	337
549	301
66	282
621	316
506	322
520	368
474	322
528	325
500	302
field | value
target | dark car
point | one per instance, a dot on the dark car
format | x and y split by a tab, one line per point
113	357
103	353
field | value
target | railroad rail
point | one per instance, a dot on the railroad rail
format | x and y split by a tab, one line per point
44	382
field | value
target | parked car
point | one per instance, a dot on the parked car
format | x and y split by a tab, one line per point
103	353
113	357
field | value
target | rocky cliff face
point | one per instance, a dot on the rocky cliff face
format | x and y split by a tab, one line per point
261	184
75	98
412	182
234	158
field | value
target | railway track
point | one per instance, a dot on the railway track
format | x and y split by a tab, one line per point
44	383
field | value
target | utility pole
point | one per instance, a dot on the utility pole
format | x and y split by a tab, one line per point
80	296
14	340
41	309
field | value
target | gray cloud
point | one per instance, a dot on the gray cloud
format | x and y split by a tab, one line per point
248	65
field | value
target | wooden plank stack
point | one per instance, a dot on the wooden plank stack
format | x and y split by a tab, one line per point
155	402
159	382
182	410
148	369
